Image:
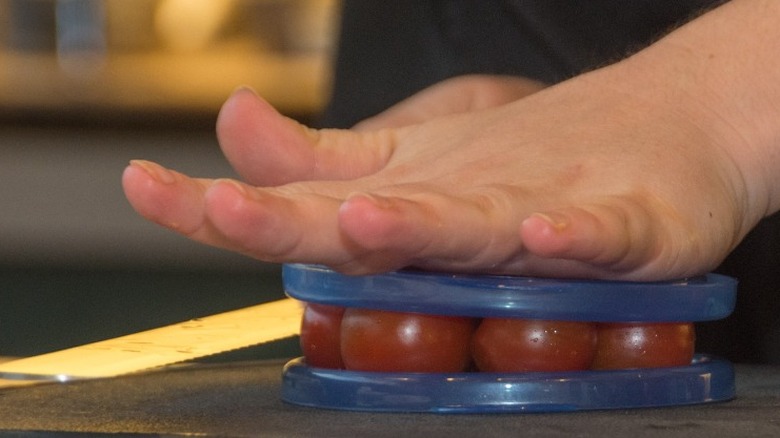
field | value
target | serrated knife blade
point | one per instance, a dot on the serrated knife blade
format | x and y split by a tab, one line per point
159	347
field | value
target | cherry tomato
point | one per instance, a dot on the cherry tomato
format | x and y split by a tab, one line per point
520	345
320	335
376	340
644	345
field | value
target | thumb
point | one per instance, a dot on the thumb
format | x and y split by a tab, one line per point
267	148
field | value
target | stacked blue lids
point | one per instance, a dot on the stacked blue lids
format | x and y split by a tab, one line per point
705	298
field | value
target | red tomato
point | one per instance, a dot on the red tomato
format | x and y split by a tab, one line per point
320	335
520	345
376	340
644	345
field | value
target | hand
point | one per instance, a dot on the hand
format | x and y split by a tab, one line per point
628	172
548	185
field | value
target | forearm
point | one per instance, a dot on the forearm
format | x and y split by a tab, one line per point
722	72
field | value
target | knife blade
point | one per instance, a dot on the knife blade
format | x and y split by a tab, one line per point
176	343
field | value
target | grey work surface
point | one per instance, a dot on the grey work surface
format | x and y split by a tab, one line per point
242	399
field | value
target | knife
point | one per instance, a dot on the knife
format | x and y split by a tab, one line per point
158	347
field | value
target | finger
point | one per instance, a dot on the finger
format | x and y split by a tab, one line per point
164	196
269	225
274	227
616	236
267	148
476	233
170	199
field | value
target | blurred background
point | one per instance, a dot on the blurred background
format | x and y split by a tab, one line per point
85	86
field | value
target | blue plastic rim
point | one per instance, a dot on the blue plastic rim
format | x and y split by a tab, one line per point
705	298
706	380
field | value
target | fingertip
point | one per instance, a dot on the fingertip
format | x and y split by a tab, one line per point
246	119
364	203
140	168
612	236
225	199
163	196
241	89
544	234
130	173
263	146
548	222
242	105
142	182
368	219
241	95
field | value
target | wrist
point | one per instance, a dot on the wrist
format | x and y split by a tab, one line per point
719	74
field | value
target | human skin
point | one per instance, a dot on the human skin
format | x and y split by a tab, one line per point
652	168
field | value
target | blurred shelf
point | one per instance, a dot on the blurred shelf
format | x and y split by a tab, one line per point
63	203
163	81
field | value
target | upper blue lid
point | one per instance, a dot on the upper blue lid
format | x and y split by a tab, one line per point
704	298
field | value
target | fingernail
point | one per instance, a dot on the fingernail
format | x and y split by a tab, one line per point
375	200
156	171
240	188
556	220
244	88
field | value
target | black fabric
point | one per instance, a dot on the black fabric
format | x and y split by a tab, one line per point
752	333
389	50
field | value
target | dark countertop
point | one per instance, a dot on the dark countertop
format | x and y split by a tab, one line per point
242	399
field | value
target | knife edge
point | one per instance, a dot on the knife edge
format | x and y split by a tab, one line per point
180	342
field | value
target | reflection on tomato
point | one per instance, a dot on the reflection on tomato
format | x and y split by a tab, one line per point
644	345
519	345
377	340
320	335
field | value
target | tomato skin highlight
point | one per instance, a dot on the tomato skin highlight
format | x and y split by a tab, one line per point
377	340
320	336
525	345
644	345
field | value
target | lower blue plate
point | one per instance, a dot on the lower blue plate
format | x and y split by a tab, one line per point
706	380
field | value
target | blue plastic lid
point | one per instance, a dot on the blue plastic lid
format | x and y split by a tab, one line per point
706	380
704	298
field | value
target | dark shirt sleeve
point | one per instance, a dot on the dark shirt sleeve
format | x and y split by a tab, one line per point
390	50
